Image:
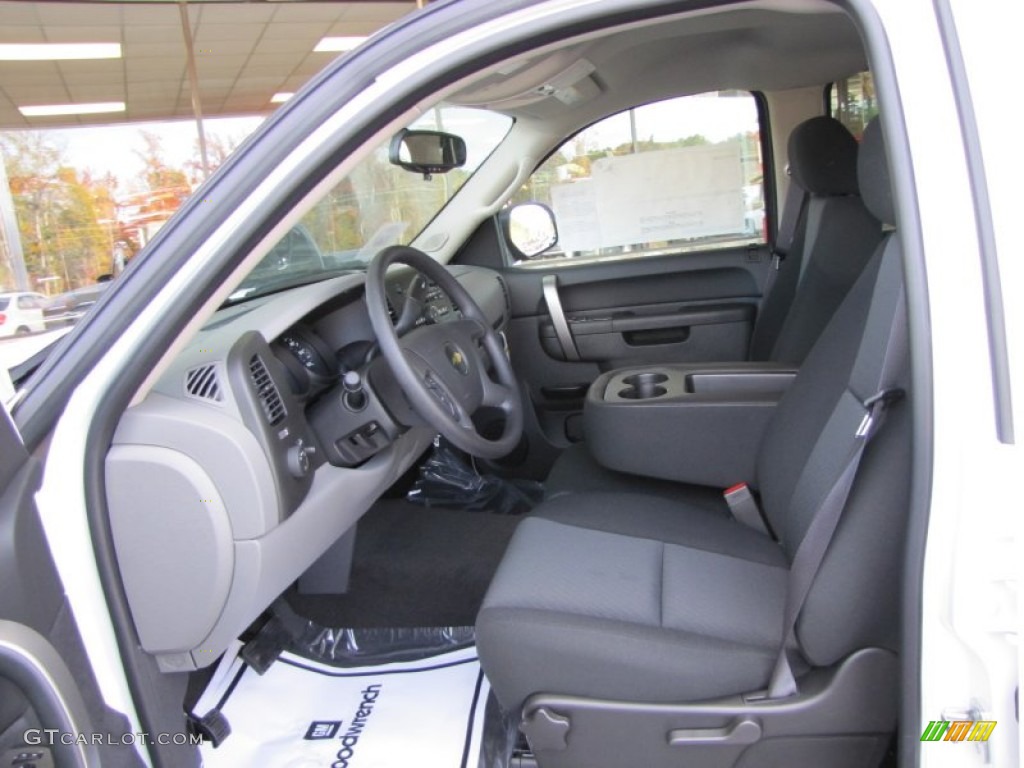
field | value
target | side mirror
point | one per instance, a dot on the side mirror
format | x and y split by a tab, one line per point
529	229
427	152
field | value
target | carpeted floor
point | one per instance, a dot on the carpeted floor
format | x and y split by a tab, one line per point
415	567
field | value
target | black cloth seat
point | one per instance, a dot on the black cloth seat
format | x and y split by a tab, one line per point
643	598
628	616
836	235
835	239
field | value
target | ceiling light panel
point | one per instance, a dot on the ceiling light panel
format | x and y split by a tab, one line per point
58	51
50	110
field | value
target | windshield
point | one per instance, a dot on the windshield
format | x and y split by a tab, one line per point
376	205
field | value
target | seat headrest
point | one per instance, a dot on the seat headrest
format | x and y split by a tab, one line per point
823	157
873	172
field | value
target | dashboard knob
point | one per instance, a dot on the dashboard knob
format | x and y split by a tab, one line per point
352	381
354	397
298	460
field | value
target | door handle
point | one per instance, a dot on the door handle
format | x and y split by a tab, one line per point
562	332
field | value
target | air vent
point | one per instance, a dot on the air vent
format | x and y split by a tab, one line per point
203	383
266	390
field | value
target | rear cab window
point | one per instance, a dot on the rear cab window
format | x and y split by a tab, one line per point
681	175
852	102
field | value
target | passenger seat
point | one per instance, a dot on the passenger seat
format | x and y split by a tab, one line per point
834	241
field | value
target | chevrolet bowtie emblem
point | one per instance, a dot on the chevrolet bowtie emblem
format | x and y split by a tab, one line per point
457	359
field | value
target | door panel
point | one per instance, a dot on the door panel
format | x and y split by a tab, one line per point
693	307
663	334
637	318
45	679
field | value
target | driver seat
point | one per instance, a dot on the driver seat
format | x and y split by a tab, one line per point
629	629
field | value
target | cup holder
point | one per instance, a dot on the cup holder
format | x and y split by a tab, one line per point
644	386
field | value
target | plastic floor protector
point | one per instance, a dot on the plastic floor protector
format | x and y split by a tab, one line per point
306	714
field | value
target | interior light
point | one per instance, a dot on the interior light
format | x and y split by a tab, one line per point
281	97
58	51
49	110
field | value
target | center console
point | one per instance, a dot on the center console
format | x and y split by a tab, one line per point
688	423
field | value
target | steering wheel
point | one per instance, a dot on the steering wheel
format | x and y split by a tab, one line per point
441	367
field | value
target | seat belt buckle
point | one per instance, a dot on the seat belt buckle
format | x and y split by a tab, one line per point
744	507
874	406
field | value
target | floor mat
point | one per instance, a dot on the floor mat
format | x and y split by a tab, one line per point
305	714
415	567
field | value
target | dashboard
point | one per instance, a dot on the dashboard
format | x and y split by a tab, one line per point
260	446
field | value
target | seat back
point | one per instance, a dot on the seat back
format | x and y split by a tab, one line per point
854	600
834	240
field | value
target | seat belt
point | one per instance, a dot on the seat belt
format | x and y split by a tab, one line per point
875	369
792	213
779	289
745	509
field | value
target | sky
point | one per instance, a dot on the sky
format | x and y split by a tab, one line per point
113	148
714	117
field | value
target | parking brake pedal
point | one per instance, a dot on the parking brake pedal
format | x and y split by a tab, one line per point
212	726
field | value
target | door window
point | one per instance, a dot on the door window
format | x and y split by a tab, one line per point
679	175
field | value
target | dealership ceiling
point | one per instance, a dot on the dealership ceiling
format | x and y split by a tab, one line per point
245	54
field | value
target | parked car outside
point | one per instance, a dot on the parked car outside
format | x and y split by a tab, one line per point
67	308
21	313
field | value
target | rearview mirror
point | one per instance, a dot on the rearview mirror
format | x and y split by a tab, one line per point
529	229
427	152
